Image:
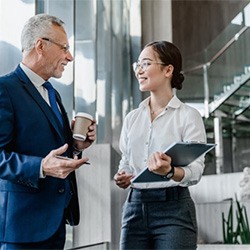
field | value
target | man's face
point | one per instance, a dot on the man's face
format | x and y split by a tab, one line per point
56	53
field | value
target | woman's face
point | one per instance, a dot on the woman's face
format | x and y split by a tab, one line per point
150	73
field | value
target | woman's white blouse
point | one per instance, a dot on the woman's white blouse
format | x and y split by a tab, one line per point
140	137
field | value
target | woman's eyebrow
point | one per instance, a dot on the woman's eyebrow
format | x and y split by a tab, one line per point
144	59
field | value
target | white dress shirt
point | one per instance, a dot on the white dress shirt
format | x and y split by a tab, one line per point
140	138
37	81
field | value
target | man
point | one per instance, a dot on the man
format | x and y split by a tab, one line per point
38	191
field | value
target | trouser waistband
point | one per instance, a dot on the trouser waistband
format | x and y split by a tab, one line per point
158	194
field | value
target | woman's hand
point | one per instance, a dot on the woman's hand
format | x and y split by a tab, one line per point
123	179
159	163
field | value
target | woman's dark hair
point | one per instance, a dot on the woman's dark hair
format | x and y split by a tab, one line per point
169	54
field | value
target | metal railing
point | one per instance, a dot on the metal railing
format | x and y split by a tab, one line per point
205	66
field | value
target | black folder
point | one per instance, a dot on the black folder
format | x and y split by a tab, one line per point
181	153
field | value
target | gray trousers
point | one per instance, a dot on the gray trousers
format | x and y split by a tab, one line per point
159	219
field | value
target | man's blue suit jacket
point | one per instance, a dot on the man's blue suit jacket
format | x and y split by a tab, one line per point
31	209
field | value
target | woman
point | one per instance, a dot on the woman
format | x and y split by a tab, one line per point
164	217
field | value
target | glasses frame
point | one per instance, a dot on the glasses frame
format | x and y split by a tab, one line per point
64	47
144	65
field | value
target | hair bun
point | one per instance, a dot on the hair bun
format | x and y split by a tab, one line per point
177	81
180	78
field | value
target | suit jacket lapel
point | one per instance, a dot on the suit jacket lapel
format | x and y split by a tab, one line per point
31	89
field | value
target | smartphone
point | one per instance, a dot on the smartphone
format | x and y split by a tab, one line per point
68	159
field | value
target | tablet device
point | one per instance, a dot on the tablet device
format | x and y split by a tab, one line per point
181	153
184	153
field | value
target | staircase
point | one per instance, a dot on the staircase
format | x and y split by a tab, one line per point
234	100
220	85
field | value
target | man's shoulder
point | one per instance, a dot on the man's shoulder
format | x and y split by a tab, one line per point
9	78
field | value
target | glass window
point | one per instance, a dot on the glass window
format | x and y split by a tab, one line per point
11	20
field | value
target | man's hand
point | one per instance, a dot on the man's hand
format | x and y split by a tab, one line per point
91	137
60	168
123	179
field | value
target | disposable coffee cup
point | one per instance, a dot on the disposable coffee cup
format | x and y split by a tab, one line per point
81	127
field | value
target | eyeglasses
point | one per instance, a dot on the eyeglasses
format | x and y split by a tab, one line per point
144	65
64	47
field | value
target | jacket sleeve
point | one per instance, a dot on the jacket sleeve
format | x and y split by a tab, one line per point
19	168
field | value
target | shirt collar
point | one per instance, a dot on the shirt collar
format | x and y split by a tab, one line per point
173	103
34	78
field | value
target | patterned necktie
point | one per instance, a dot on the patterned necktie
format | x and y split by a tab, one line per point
52	100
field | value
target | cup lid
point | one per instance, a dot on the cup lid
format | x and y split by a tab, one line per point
86	115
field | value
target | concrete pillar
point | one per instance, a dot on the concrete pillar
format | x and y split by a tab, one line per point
156	20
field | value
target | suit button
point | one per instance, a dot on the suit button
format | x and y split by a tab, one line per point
61	190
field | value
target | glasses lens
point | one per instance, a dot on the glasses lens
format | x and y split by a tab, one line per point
135	66
141	66
66	48
144	65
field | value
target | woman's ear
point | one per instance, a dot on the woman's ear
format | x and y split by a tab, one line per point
169	70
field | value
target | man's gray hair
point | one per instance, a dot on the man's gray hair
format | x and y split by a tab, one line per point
36	27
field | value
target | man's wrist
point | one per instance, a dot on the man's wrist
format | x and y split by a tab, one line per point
41	174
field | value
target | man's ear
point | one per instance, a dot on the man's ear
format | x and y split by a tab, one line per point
169	70
39	46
